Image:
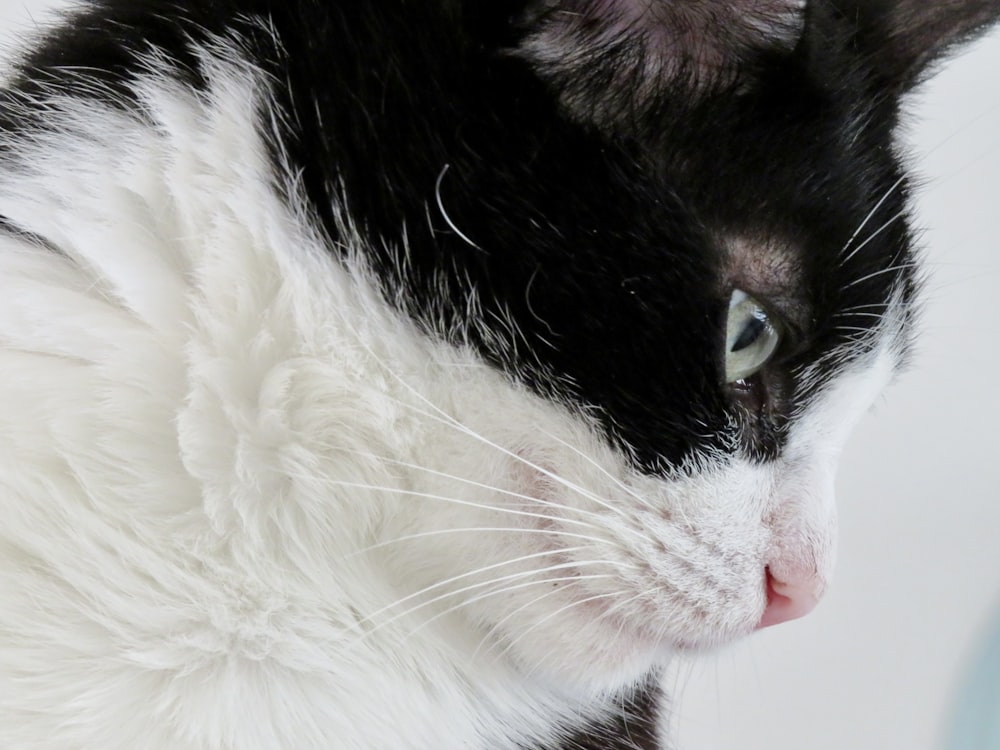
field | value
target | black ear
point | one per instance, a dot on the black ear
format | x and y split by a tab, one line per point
606	56
909	36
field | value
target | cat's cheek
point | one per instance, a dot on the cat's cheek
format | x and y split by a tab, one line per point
690	557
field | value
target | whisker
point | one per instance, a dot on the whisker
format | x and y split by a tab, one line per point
477	571
545	472
551	616
890	269
494	566
557	519
621	605
617	482
967	125
442	417
874	234
871	214
615	607
440	205
473	530
474	586
536	316
873	306
496	626
471	482
456	501
507	590
856	314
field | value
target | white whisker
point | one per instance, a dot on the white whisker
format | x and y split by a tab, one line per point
474	530
536	316
477	571
614	608
874	234
440	205
857	314
535	467
551	616
474	586
442	417
513	613
871	214
873	306
875	274
470	482
508	589
617	482
456	501
853	329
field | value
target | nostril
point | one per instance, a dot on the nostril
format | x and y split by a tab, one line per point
789	600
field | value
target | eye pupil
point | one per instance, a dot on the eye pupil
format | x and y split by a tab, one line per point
751	332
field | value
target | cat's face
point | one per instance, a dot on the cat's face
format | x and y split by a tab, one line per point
707	268
698	277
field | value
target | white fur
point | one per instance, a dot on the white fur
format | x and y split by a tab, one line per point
233	482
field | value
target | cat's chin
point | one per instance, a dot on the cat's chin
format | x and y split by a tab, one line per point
599	651
702	647
702	644
613	667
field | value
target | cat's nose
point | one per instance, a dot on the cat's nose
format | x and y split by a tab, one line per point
792	596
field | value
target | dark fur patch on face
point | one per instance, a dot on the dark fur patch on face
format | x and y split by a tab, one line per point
595	257
596	261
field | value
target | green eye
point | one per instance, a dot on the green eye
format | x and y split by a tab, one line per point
751	337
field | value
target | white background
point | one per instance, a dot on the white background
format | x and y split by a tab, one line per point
876	667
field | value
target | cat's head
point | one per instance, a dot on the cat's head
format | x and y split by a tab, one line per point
678	233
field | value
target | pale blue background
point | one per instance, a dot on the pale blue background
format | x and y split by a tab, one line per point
976	721
876	667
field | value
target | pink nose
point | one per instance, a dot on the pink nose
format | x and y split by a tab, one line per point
789	600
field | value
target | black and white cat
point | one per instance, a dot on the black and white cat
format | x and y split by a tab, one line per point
424	375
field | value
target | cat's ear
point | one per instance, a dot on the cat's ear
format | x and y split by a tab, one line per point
605	55
908	36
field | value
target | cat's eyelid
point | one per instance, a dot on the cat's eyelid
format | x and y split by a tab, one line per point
767	269
791	315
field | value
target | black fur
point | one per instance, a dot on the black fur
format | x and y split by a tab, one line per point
633	729
601	249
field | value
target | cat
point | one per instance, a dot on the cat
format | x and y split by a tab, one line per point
427	375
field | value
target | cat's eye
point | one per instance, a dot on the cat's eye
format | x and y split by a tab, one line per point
752	337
